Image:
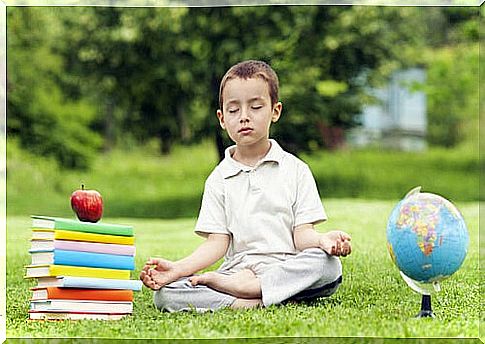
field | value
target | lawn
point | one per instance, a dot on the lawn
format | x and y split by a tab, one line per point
138	182
372	302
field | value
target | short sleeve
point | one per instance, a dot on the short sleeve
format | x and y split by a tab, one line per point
212	217
308	207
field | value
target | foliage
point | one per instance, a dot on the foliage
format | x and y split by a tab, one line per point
39	112
372	291
85	77
451	60
452	90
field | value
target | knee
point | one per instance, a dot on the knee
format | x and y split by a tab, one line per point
168	299
328	267
162	300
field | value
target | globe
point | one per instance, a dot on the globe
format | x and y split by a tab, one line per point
427	237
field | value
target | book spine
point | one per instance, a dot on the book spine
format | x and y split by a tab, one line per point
124	250
92	237
89	294
98	228
81	271
93	260
100	283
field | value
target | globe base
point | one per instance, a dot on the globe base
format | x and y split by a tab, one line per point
426	311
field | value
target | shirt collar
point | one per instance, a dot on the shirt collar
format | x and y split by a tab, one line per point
231	167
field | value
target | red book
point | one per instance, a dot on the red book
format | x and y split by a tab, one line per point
82	294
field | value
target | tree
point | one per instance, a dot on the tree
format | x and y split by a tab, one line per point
46	120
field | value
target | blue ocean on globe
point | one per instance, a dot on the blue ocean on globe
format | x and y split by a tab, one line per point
427	237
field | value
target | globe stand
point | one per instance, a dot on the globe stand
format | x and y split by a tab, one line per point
426	311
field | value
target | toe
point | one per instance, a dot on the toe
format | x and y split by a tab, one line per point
194	280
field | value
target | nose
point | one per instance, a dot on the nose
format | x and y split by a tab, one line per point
244	116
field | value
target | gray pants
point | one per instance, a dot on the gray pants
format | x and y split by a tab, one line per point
310	274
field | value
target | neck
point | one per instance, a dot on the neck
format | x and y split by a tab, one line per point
250	155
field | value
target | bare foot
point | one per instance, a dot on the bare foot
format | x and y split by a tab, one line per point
246	303
336	243
243	284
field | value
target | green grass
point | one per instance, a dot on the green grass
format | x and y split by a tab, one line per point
373	301
140	183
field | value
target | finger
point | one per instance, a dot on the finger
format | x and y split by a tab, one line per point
148	282
156	286
348	248
345	237
151	261
162	264
152	284
152	272
142	275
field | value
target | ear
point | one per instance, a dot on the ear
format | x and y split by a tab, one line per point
220	116
277	108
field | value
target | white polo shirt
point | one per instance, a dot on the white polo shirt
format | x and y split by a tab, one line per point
259	207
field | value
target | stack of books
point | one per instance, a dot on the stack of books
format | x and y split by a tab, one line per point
82	270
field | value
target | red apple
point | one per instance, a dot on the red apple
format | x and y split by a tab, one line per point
87	204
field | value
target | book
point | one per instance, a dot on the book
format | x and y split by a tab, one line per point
33	271
79	226
52	234
69	245
81	294
87	259
37	315
89	282
86	306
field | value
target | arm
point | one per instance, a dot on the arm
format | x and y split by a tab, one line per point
159	272
305	237
209	252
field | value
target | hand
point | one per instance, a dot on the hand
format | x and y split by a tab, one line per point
158	272
336	243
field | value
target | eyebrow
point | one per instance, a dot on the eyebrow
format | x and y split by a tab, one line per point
236	101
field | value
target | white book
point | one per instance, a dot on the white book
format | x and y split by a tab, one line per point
34	315
43	235
42	258
86	306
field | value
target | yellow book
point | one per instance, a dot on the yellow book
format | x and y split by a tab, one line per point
34	271
51	234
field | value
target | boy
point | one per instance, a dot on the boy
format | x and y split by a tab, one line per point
258	211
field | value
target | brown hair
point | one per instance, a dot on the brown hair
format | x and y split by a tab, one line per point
249	69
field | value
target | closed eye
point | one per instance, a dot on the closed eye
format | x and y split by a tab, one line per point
233	110
256	107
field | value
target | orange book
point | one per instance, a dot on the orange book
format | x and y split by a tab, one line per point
82	294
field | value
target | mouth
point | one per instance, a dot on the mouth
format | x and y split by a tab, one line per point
245	130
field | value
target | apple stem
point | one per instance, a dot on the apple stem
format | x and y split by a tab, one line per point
82	186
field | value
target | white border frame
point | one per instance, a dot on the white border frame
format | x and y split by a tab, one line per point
3	168
151	3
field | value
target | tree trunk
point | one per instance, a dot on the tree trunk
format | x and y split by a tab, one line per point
183	123
165	141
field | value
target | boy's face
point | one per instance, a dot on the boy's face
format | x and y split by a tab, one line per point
247	111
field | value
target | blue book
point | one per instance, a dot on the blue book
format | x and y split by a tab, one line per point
88	283
86	259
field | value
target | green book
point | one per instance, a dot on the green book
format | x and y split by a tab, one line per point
48	222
